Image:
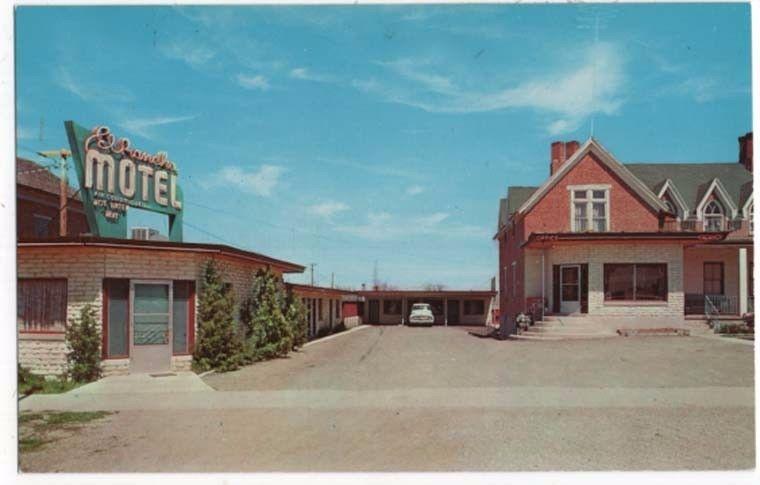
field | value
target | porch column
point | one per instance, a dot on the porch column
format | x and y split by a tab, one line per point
445	312
403	310
743	281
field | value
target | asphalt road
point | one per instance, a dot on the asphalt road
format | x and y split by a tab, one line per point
401	399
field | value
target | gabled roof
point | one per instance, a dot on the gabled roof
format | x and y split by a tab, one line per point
592	146
694	179
34	175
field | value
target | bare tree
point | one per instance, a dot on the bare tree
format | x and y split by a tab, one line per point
433	287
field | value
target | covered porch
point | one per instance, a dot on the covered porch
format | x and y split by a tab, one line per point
718	279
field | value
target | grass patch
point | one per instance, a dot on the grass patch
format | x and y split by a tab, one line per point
37	429
29	383
70	417
30	443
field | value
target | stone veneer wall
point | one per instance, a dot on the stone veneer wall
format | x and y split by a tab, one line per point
86	267
598	254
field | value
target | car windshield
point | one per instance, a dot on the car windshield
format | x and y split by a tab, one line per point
420	306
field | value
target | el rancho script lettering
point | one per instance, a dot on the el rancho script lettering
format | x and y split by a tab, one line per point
104	173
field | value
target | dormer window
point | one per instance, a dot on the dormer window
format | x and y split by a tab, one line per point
714	216
590	209
751	219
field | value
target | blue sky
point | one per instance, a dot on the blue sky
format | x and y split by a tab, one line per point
348	135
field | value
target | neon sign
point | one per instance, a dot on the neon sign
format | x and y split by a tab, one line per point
114	176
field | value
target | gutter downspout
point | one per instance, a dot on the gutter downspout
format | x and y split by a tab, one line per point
543	282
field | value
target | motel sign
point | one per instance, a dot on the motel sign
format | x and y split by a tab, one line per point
113	176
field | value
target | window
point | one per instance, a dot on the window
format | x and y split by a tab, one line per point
514	279
41	226
116	314
751	218
590	210
713	278
392	307
713	215
635	282
41	305
474	307
183	317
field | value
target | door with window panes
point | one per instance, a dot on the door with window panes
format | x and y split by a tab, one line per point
151	303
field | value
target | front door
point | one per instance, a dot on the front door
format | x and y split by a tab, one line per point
570	292
151	326
452	312
374	311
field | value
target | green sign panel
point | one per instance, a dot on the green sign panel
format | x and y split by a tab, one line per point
113	176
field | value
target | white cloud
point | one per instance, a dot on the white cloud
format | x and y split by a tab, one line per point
415	190
379	169
384	226
702	89
327	209
25	133
569	94
253	82
305	74
194	55
89	91
261	182
145	126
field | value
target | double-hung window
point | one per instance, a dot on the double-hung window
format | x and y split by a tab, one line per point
590	209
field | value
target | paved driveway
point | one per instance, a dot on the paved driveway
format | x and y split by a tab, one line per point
439	399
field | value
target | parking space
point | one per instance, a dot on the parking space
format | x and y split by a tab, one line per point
439	399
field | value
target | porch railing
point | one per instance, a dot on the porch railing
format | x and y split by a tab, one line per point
699	304
699	226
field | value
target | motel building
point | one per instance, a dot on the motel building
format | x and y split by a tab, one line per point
327	308
450	307
143	289
662	242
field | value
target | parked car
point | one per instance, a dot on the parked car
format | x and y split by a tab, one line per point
421	314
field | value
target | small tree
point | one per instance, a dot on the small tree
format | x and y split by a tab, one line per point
296	316
263	317
218	345
83	340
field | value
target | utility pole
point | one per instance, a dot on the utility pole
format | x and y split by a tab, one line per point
375	281
332	280
60	156
312	272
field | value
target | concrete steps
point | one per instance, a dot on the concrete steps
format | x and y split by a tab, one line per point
555	327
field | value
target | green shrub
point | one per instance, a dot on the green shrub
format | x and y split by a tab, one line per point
262	315
83	339
218	345
297	318
29	383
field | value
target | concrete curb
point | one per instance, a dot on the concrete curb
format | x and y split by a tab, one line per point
335	335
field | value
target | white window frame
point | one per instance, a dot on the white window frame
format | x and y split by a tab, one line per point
514	279
590	200
718	215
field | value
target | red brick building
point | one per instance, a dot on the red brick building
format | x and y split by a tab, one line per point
37	204
605	238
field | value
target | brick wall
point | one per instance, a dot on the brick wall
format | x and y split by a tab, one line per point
598	254
628	212
85	267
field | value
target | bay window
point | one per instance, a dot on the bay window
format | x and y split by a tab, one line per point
635	282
